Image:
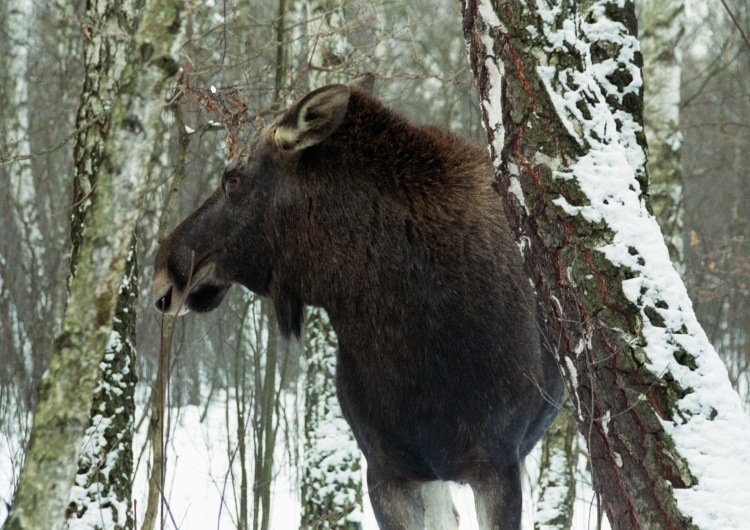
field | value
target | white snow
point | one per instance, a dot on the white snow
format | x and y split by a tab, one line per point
198	476
202	466
496	69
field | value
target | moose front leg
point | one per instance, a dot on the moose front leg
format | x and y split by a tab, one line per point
397	502
439	511
403	504
497	496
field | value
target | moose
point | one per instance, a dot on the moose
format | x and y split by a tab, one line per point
396	231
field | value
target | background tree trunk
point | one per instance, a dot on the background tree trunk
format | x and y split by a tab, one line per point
331	485
101	498
662	27
331	474
18	345
121	100
556	495
265	418
560	90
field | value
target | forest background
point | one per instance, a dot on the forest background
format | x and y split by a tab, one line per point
240	64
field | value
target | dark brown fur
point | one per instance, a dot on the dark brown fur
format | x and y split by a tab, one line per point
395	230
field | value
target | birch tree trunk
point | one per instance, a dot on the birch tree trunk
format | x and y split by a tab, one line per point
120	103
663	24
560	90
18	346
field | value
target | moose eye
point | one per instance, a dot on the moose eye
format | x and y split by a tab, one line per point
231	184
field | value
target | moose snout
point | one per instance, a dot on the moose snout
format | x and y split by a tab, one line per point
163	293
164	301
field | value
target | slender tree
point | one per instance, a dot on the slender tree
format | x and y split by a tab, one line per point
331	486
121	100
561	96
102	494
265	418
663	24
331	474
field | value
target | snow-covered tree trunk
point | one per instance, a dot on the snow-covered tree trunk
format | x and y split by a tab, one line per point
662	27
331	474
121	101
101	496
561	95
557	479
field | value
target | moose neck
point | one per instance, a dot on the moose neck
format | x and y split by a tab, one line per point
389	179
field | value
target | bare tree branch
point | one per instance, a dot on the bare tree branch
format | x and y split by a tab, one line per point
736	23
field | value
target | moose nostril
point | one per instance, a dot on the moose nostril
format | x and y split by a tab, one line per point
163	302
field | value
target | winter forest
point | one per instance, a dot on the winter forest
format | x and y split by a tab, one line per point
602	118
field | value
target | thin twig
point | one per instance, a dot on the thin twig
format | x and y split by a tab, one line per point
163	388
736	23
52	149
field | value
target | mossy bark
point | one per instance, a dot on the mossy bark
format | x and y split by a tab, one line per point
126	72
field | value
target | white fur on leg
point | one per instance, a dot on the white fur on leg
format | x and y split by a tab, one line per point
439	512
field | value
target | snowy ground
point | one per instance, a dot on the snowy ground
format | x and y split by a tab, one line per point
198	479
201	489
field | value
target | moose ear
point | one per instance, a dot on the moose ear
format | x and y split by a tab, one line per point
313	118
364	81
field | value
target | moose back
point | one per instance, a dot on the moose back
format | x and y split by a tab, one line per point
396	231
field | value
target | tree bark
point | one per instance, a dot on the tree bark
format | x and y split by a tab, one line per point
121	100
561	97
